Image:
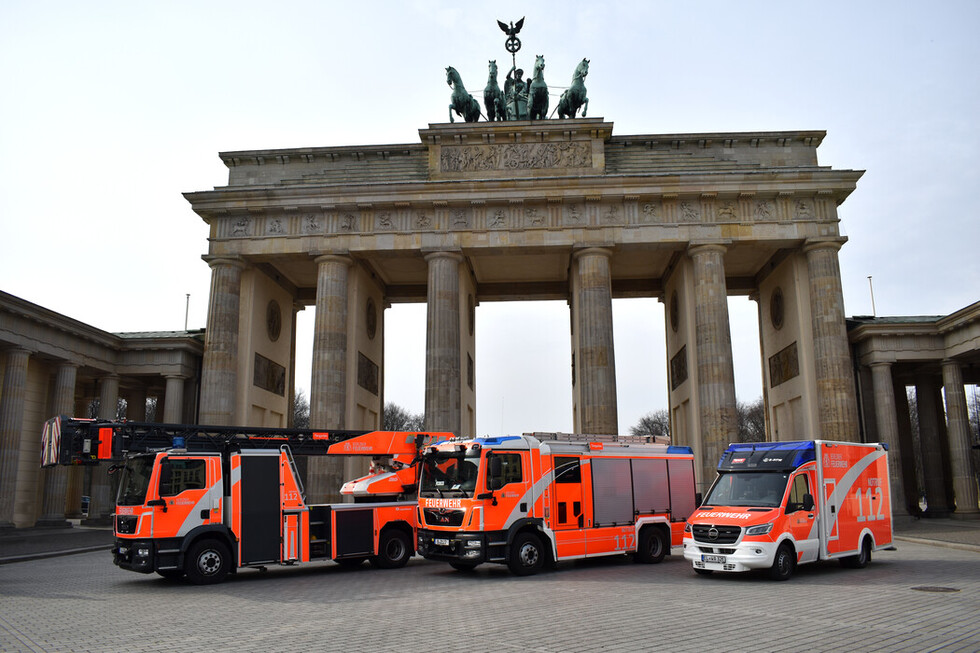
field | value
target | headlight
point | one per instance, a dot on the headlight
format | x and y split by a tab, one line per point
759	530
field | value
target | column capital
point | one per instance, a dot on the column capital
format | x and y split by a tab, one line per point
830	242
333	258
444	253
698	247
592	251
885	364
216	261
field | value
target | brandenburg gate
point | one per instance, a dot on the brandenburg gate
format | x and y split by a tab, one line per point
552	209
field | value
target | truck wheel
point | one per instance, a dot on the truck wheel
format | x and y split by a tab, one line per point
207	562
783	564
861	560
526	555
653	545
394	550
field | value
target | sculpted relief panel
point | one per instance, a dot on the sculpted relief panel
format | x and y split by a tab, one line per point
517	156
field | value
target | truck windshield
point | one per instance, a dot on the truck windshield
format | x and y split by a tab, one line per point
449	474
748	489
135	480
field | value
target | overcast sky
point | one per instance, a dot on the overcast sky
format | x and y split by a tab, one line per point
110	110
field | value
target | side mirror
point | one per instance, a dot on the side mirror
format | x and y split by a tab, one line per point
808	502
495	481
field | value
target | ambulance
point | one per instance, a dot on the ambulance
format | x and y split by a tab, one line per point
532	500
776	505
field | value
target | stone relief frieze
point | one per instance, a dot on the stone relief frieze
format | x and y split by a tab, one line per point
347	222
515	156
652	211
311	224
690	211
384	221
727	212
241	226
804	210
422	220
533	217
274	227
497	219
611	215
574	214
460	219
764	211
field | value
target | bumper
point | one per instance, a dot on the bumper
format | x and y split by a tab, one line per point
146	556
743	556
468	548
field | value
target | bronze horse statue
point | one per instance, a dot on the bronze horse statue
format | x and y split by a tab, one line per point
575	97
538	95
463	103
493	97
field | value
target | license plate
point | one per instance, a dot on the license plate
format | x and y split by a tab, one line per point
441	542
718	559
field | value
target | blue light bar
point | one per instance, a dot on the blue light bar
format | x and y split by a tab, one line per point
679	449
785	456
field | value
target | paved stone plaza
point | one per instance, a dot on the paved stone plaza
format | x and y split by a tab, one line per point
82	603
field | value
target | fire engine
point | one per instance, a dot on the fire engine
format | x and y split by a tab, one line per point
777	505
538	499
203	501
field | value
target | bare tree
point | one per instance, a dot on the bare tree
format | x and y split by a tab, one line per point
301	411
396	418
655	423
751	421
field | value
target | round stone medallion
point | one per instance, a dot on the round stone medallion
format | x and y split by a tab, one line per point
273	320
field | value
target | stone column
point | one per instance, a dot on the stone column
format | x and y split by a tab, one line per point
173	403
932	447
442	354
53	503
836	394
596	361
102	497
11	424
958	432
886	418
219	368
716	368
328	394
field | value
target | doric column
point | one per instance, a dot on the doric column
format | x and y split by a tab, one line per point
219	368
716	368
11	423
958	432
836	401
442	353
102	498
887	420
173	403
53	503
931	442
595	364
328	394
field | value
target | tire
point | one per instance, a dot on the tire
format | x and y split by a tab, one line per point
783	563
861	560
207	562
394	550
526	555
171	574
703	572
465	567
653	545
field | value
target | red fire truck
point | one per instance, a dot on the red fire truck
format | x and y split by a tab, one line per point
203	501
775	505
539	498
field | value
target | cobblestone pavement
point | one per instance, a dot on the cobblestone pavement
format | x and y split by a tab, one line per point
83	603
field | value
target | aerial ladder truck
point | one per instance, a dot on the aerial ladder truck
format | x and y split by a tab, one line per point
201	501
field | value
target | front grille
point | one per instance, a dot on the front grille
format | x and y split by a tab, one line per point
443	517
716	534
125	524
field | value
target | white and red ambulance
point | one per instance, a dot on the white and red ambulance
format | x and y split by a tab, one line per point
775	505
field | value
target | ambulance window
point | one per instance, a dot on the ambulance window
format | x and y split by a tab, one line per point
796	492
567	470
179	474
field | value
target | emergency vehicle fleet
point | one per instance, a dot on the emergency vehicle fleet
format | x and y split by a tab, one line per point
535	499
777	505
202	501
